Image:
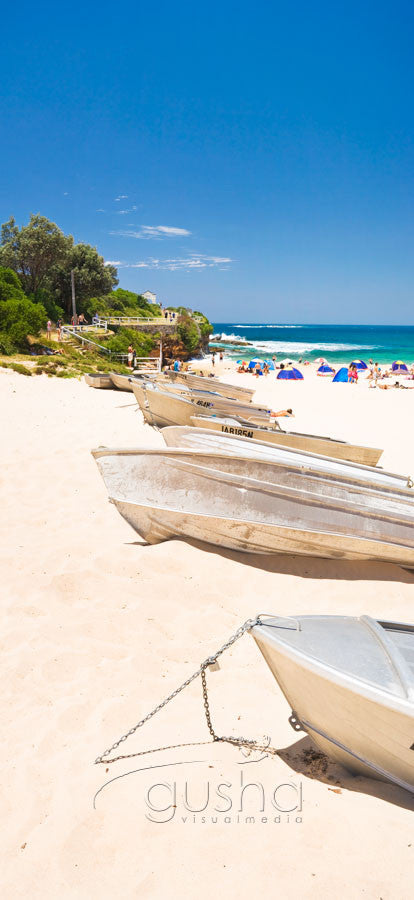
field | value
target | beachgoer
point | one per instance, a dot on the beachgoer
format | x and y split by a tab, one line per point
134	358
265	369
176	366
221	356
213	359
283	412
130	355
353	375
49	329
274	360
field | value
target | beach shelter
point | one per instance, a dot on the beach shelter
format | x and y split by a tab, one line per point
399	367
325	370
270	363
290	374
321	361
253	362
341	375
359	364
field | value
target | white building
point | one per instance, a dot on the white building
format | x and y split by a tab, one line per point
149	296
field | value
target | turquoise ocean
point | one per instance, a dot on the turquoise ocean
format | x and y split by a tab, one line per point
337	343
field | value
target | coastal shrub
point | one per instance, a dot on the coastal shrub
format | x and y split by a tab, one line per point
188	332
20	317
122	303
17	367
142	343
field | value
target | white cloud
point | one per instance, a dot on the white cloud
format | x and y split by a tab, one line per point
121	197
113	262
101	210
183	263
154	232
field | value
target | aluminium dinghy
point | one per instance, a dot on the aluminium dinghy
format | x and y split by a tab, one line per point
350	684
258	505
235	445
273	433
170	408
202	383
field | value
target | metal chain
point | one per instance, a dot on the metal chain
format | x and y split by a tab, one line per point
247	626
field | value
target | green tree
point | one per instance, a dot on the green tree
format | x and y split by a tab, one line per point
19	316
33	250
92	277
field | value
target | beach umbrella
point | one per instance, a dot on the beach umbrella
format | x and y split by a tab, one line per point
399	367
290	374
325	370
341	375
359	364
321	361
270	363
286	362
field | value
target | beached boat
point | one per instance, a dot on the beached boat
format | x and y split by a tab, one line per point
235	445
350	683
208	383
176	408
122	382
312	443
99	380
208	393
257	506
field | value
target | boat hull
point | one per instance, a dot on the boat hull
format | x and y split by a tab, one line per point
121	382
169	408
99	380
205	383
234	445
356	726
255	506
367	456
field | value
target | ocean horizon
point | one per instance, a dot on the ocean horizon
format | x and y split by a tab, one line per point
337	343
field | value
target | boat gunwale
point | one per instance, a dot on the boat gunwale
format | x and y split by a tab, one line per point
304	434
186	452
296	450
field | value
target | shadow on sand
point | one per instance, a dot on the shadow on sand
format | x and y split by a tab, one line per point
311	567
305	759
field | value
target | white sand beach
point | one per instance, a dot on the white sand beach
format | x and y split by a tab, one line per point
98	628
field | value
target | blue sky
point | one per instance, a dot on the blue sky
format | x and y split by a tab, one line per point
254	161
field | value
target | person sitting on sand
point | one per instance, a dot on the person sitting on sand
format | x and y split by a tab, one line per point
265	369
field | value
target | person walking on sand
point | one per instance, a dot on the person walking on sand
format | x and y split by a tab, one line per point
130	355
213	360
221	356
49	329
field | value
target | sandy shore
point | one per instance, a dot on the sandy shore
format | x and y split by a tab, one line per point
98	627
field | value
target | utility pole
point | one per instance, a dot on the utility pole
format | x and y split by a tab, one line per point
72	281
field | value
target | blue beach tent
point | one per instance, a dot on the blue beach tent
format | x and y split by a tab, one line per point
359	364
325	370
290	373
341	375
399	367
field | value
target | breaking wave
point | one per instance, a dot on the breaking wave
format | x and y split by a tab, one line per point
300	347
